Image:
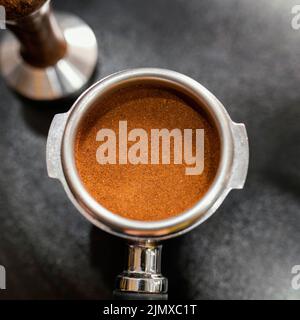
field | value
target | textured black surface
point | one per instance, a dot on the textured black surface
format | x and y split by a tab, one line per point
248	55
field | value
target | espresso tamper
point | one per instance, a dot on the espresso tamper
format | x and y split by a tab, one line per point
142	278
48	56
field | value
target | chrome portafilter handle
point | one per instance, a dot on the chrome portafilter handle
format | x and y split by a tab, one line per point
47	56
142	278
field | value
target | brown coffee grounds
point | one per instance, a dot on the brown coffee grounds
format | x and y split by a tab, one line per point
16	9
144	191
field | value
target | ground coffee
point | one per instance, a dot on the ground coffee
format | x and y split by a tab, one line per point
145	191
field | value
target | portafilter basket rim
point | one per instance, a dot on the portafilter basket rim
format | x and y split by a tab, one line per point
141	230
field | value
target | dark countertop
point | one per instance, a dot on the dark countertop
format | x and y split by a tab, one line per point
248	55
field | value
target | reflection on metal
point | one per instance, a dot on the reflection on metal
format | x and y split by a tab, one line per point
143	271
2	278
2	18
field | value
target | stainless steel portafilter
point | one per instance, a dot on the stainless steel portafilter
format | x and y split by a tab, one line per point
142	277
47	57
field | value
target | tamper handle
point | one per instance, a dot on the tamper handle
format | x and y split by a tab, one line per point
41	39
